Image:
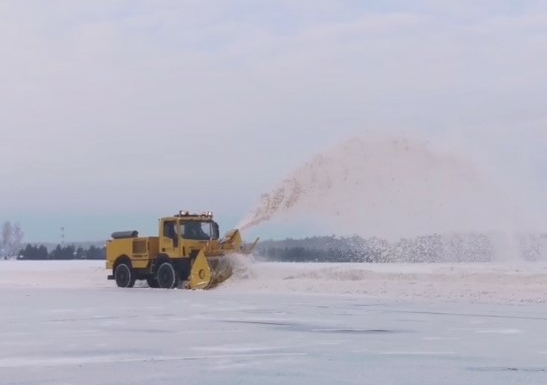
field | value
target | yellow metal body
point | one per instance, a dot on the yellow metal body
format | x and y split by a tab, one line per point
187	245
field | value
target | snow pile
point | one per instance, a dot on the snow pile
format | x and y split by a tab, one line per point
487	282
471	282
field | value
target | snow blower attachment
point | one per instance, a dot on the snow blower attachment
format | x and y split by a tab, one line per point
187	253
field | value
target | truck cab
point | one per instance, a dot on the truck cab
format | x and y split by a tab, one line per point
185	233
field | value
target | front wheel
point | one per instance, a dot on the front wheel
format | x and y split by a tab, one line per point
123	274
167	278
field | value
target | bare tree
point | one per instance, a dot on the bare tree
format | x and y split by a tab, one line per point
17	239
11	241
7	236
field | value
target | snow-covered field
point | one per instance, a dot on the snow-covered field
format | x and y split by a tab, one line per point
64	323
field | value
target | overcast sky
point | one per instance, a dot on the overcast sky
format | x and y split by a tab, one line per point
113	113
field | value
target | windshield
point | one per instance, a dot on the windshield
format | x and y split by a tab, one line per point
198	230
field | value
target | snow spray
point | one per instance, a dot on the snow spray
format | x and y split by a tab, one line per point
393	188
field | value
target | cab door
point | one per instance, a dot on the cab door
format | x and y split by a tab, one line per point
169	237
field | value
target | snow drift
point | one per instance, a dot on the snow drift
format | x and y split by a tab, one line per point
482	282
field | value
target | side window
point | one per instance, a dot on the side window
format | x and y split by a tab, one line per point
170	230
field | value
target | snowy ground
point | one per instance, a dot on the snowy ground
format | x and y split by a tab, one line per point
64	323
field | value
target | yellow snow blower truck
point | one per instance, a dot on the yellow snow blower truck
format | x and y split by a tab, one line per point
187	252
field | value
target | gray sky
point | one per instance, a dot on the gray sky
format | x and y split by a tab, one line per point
114	113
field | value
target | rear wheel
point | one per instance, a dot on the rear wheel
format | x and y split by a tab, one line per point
167	278
123	274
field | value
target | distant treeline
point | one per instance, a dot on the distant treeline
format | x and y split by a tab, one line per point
40	252
434	248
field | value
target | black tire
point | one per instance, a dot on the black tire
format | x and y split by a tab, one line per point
152	282
124	276
166	276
